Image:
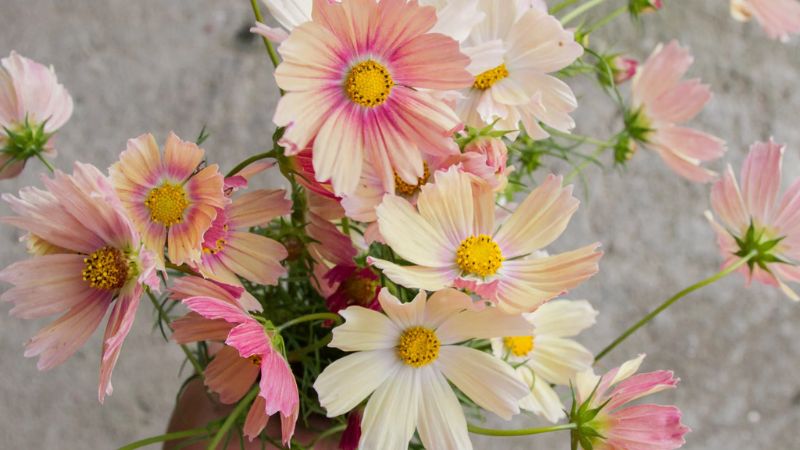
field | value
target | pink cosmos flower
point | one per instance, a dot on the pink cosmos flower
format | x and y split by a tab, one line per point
456	244
662	101
778	18
92	259
756	219
486	158
30	97
230	251
235	368
624	68
630	427
170	199
355	80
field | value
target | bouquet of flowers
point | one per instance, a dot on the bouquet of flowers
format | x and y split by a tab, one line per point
400	285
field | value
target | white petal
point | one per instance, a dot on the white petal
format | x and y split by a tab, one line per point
411	236
447	204
488	323
364	329
488	381
484	56
627	369
417	277
391	413
543	400
557	360
563	318
444	304
349	380
441	422
404	315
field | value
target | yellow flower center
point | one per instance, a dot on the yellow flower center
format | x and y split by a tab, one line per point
479	255
407	190
167	204
418	346
487	79
368	84
519	345
106	268
361	290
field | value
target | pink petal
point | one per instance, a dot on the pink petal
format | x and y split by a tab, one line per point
249	338
230	375
761	179
431	61
212	308
258	207
119	325
277	384
195	328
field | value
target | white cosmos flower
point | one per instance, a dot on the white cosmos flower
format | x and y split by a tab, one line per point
544	356
405	359
517	88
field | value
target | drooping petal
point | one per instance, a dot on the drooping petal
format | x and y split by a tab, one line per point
230	375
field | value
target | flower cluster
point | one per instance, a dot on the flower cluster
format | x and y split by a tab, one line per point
402	281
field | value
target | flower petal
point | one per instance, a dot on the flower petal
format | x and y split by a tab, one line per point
349	380
391	414
364	329
441	421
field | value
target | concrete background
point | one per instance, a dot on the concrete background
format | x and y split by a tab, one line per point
150	65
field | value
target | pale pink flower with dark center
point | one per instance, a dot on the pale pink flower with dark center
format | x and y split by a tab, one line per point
171	199
661	102
621	426
89	258
456	243
779	18
30	97
355	80
756	219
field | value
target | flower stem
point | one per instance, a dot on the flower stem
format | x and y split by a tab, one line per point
311	317
562	5
329	432
605	20
273	56
240	407
298	354
670	301
165	318
588	160
165	437
575	13
520	432
239	167
580	138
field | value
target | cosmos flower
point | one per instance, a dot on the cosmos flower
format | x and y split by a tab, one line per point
779	18
403	361
456	243
661	102
170	199
33	106
356	93
756	219
93	260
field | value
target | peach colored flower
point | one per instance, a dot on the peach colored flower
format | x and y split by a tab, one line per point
358	94
170	199
661	102
456	244
92	259
778	18
30	98
756	219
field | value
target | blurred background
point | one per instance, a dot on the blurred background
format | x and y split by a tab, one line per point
159	65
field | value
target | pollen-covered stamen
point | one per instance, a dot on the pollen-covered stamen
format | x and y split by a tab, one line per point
368	84
479	255
255	360
407	190
519	345
360	290
167	204
490	77
418	346
106	268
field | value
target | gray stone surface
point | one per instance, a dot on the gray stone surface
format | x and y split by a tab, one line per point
152	65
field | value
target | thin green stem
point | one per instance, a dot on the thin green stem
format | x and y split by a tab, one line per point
165	437
588	160
239	167
299	353
311	317
670	301
580	138
329	432
562	5
189	355
520	432
240	407
45	162
273	56
183	268
577	12
605	20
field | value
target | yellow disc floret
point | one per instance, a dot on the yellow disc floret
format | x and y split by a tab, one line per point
106	269
479	255
407	190
418	346
368	84
490	77
167	204
519	345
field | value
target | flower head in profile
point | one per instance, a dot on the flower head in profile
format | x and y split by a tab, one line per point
356	79
33	106
250	351
89	259
513	51
456	243
661	102
779	18
546	356
756	220
171	199
605	421
403	361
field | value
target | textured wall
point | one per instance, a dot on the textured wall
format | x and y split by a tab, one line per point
153	65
